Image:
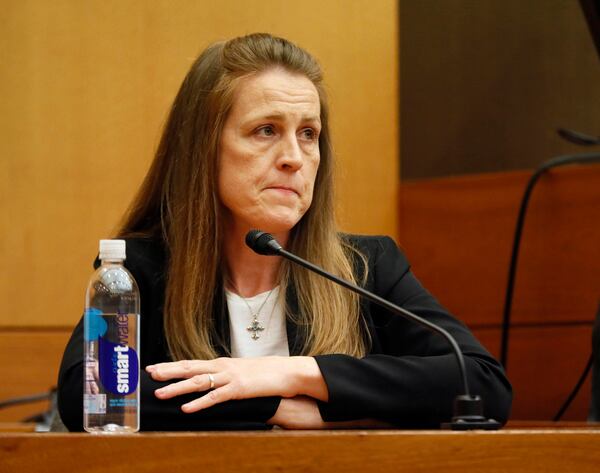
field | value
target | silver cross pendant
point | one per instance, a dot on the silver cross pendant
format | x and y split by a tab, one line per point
255	327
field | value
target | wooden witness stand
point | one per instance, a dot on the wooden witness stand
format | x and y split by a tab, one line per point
550	344
524	447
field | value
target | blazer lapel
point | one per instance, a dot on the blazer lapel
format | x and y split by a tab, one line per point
222	340
296	336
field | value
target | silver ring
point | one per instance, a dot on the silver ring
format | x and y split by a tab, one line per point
211	378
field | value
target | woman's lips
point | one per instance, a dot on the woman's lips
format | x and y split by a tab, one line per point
284	190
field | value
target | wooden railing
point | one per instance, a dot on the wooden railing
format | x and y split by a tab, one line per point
523	451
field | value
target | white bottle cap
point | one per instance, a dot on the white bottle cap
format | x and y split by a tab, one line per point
112	249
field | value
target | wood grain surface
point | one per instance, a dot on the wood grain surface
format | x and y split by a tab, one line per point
29	361
458	234
523	451
86	87
545	365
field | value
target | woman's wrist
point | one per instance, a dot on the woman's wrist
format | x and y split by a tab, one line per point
308	378
297	413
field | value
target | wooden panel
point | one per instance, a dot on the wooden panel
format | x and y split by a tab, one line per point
360	451
29	362
86	87
458	234
544	364
16	427
485	84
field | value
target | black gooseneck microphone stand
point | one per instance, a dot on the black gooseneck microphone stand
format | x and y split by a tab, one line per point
468	408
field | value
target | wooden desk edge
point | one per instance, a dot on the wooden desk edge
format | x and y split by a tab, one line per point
355	451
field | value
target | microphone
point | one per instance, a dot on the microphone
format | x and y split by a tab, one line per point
468	409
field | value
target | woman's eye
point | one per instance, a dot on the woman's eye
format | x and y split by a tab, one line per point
309	134
266	130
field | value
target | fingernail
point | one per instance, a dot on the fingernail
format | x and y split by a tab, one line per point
150	368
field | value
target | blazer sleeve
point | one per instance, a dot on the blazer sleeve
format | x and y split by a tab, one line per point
155	414
414	380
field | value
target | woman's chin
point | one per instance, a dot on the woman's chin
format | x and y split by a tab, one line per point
277	224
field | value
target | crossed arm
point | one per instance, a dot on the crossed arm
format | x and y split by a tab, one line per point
297	379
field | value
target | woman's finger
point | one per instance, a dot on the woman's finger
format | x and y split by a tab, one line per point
178	369
222	394
93	387
197	383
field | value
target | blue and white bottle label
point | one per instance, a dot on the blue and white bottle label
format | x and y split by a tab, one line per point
118	367
118	363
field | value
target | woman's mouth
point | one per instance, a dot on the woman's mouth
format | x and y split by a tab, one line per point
284	190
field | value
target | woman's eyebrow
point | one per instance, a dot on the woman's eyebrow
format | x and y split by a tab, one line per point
282	116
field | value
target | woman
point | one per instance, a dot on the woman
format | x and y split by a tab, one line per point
231	339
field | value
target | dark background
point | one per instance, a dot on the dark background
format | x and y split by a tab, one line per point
484	84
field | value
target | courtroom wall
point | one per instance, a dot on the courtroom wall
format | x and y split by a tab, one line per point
86	88
485	84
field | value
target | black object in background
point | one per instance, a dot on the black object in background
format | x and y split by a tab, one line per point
468	409
578	138
591	11
582	158
593	365
584	140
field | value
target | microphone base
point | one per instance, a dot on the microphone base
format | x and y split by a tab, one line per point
472	424
468	415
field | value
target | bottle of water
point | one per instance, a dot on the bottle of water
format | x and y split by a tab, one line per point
111	399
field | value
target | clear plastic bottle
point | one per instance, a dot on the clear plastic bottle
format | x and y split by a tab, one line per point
111	401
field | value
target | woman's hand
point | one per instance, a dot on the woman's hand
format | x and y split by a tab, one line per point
239	378
298	413
303	413
92	378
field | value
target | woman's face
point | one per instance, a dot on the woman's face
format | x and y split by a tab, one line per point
269	151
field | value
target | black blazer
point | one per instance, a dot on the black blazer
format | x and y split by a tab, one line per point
409	378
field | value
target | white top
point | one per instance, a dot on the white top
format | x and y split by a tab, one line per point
272	340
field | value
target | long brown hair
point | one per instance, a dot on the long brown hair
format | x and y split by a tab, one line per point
178	202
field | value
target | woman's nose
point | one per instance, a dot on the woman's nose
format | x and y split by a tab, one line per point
290	154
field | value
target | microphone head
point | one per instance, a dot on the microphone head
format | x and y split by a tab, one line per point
262	243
